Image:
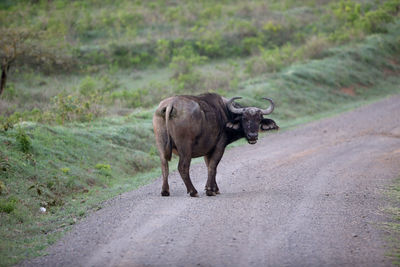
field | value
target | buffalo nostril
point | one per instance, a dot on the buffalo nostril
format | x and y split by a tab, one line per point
252	135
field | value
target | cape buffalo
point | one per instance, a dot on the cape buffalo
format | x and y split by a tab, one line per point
203	125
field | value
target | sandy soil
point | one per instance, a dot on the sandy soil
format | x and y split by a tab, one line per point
311	196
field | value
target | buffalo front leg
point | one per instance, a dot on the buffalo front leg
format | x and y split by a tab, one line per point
183	168
212	162
165	172
210	174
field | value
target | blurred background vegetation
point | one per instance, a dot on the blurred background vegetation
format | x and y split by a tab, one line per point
80	80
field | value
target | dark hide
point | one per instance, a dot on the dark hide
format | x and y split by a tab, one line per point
195	126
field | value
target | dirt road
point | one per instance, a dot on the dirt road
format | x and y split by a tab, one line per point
311	196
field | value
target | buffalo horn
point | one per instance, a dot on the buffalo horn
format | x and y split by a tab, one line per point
269	109
230	106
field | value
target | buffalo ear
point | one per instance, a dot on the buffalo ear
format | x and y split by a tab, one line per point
267	125
233	125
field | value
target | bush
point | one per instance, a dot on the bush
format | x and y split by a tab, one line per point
8	205
163	51
132	55
375	21
9	92
222	79
34	115
74	107
101	166
48	196
251	45
315	47
7	123
87	86
184	77
347	11
211	44
142	97
103	169
355	17
23	141
184	59
272	60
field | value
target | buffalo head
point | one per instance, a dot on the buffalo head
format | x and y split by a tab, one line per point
250	120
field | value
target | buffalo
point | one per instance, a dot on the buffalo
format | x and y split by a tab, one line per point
203	125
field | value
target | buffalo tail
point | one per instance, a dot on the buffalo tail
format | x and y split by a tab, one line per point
168	145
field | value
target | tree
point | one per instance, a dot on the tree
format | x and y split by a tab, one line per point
30	48
12	45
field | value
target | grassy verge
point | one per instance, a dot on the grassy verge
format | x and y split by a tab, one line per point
69	169
392	228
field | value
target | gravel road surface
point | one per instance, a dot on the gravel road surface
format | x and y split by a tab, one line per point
311	196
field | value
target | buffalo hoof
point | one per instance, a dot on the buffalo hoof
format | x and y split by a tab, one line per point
210	193
165	193
217	192
194	194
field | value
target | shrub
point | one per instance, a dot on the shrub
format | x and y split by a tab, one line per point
244	28
272	60
276	34
8	205
7	123
163	51
72	107
23	141
48	196
108	84
188	82
142	97
375	21
101	166
87	86
184	59
132	55
251	44
222	79
184	77
211	44
10	92
315	47
347	11
354	18
35	115
103	169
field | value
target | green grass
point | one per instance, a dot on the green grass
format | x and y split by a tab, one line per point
142	52
320	85
128	32
392	227
71	168
67	170
72	139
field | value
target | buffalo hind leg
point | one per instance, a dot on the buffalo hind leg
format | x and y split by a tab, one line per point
212	162
165	172
164	148
183	168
